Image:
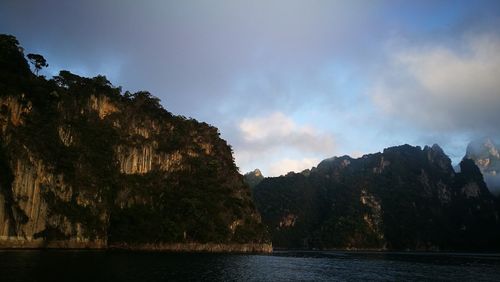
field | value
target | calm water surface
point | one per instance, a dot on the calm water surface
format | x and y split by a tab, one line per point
281	266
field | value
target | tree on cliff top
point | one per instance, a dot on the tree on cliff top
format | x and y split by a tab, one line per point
38	62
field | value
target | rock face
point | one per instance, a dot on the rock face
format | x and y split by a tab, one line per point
404	198
83	165
485	153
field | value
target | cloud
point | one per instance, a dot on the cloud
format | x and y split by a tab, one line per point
443	88
276	137
286	165
278	130
220	61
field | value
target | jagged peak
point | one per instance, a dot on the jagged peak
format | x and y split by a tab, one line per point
437	148
435	152
253	178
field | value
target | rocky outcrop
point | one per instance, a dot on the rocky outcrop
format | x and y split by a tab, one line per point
253	178
403	198
83	165
143	159
102	105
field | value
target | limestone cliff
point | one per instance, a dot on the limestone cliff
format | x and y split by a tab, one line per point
84	165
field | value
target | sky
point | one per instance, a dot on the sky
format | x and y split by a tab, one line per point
288	83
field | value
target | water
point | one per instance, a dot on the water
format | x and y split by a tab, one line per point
51	265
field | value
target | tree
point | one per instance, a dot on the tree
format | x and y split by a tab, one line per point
12	61
66	79
38	61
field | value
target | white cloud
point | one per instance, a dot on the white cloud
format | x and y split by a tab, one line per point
273	141
279	130
440	87
275	125
356	154
283	166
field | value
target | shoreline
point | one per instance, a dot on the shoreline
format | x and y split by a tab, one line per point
196	247
262	248
265	249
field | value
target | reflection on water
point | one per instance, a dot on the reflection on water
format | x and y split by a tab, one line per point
281	266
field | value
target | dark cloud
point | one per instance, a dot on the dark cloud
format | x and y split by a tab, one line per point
192	52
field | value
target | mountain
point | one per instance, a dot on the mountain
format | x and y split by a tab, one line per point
403	198
485	153
253	178
84	165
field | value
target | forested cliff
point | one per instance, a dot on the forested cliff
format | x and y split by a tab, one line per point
404	198
84	165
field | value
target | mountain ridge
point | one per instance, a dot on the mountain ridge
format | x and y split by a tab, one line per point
405	197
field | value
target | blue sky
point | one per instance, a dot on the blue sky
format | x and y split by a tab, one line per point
289	83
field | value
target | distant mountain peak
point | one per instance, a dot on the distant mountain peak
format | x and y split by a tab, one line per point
257	172
253	178
492	149
485	147
484	152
